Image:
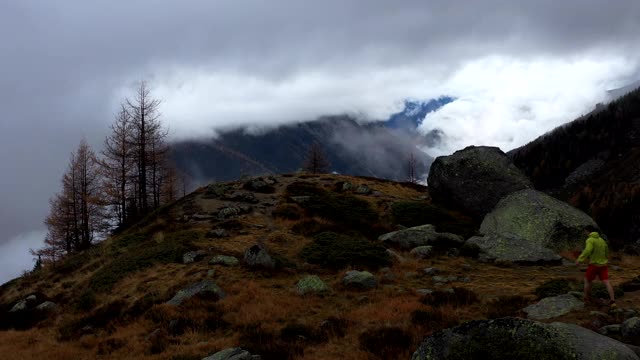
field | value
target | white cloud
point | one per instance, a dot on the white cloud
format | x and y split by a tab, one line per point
508	102
14	254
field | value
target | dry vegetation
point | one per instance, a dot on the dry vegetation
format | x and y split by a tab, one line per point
262	311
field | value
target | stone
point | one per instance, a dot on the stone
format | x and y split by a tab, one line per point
630	330
229	212
552	307
440	279
610	330
467	267
211	273
431	271
259	185
258	257
421	236
395	256
47	306
224	260
363	190
243	196
615	268
24	304
422	252
217	233
347	186
514	249
475	179
193	256
598	314
359	280
424	291
538	219
231	354
387	275
514	338
300	199
206	288
311	284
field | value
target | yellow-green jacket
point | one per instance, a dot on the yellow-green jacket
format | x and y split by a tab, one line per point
596	250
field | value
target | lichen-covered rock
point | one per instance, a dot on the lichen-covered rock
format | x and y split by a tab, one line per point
511	248
47	306
243	196
311	284
360	280
475	179
24	304
539	219
258	257
363	190
630	330
552	307
224	260
425	235
232	354
514	338
205	288
422	252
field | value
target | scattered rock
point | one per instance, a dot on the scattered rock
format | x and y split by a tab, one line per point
467	267
211	273
25	304
424	291
539	219
387	275
224	260
217	233
47	306
205	288
475	179
347	186
551	307
300	199
610	330
193	256
229	212
630	330
260	185
598	314
258	257
243	196
631	285
311	284
422	252
420	236
515	249
232	354
431	271
201	217
360	280
363	190
514	338
615	268
395	256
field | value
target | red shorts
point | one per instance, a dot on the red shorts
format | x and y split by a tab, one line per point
602	272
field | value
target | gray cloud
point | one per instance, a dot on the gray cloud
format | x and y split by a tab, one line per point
65	65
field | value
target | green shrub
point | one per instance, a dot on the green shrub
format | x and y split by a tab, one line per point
415	213
142	256
434	319
303	188
386	342
553	287
337	251
342	209
599	291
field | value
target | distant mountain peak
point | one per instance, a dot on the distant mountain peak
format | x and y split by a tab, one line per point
414	112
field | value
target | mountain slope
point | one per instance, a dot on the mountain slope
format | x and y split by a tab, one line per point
352	148
594	163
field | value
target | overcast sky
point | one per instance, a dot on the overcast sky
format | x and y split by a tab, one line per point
518	68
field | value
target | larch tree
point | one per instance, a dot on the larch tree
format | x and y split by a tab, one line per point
316	161
411	169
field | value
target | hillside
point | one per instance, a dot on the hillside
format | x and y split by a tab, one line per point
351	147
248	244
594	164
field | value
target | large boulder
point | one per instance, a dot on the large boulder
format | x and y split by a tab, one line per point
205	288
258	257
425	235
359	280
514	338
513	249
552	307
539	219
630	330
475	179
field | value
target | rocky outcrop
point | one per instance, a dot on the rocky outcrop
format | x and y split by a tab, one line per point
359	280
475	179
311	284
538	219
425	235
552	307
513	249
206	288
514	338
